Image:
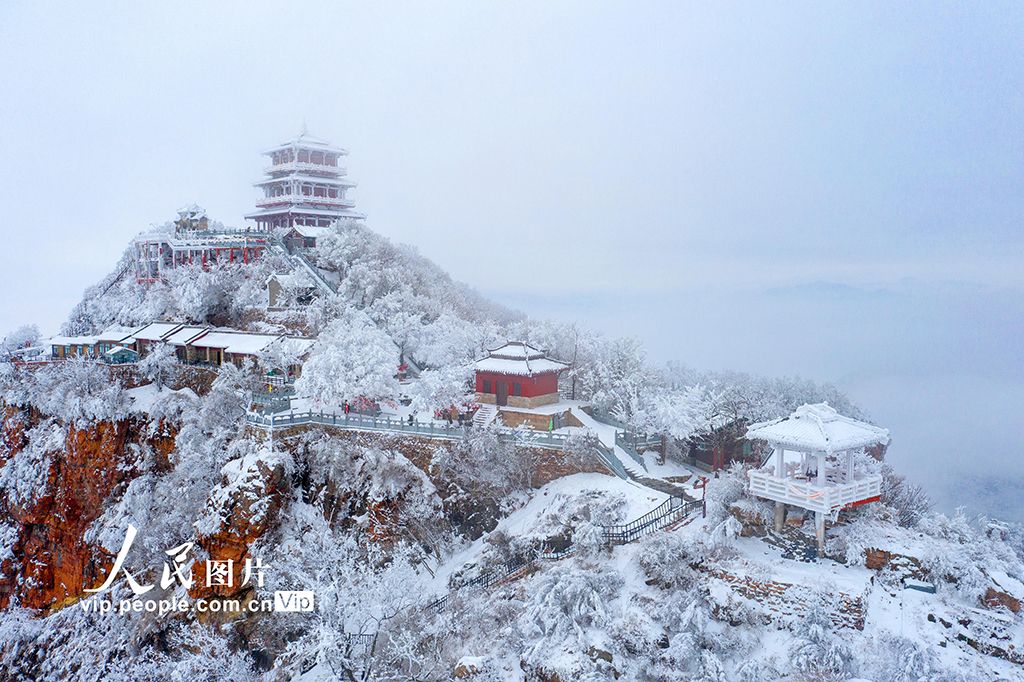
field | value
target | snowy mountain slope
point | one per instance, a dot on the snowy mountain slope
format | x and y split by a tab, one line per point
378	526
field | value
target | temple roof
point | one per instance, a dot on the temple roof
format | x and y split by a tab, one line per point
818	428
518	358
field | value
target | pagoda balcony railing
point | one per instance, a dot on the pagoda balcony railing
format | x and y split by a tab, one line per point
808	494
341	202
293	166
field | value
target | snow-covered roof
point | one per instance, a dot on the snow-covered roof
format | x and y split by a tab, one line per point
119	349
519	358
297	346
114	333
156	331
315	179
185	335
306	141
292	279
302	209
240	343
192	211
73	340
310	231
818	428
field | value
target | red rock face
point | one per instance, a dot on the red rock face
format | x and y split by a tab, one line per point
52	563
994	598
251	510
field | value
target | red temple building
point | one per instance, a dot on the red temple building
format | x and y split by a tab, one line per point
518	375
305	185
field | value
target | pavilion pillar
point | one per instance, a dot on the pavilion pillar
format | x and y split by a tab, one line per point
819	531
780	516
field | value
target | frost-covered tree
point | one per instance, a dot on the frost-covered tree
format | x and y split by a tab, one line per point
442	387
818	650
908	500
78	390
353	359
160	365
22	337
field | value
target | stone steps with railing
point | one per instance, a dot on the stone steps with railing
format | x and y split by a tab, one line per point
666	516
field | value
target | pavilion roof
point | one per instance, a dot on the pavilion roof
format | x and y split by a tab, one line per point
818	428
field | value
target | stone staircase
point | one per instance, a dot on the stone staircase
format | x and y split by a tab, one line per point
484	416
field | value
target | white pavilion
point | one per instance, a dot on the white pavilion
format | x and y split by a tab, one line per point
812	463
305	185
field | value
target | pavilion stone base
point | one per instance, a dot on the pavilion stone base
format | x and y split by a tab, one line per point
518	400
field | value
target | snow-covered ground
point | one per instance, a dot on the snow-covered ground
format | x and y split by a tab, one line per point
143	398
637	501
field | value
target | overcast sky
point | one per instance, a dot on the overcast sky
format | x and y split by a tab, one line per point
824	189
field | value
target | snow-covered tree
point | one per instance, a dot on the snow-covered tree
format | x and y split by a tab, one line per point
442	387
22	337
353	359
160	365
818	650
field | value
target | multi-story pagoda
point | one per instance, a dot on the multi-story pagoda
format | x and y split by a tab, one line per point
305	185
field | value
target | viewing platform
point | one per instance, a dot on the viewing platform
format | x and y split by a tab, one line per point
807	494
816	464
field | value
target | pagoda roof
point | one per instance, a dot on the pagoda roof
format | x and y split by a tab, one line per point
519	358
302	177
818	428
306	141
300	209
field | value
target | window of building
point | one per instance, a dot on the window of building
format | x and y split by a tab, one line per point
487	386
517	389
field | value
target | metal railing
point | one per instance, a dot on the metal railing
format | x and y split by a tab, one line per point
607	456
305	166
314	272
665	514
668	512
293	198
357	422
632	441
